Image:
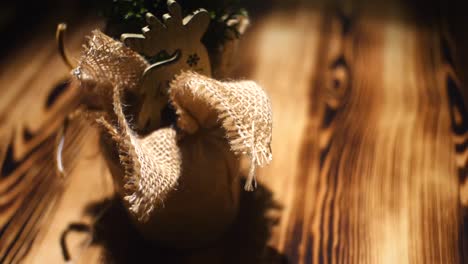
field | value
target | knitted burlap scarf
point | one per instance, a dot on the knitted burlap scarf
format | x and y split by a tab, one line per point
151	165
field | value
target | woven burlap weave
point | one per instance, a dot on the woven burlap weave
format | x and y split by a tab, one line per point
152	163
242	107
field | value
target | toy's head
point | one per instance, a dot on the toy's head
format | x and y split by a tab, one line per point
174	33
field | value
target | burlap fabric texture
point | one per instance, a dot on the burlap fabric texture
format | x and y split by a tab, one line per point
152	164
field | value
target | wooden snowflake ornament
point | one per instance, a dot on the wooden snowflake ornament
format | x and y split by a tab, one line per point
181	39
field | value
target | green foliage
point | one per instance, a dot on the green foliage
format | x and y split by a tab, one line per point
130	10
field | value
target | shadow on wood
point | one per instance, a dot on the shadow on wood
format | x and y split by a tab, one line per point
245	241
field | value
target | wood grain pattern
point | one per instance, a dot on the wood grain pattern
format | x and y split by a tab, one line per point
375	179
370	157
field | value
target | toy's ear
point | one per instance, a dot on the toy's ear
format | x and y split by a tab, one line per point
198	22
174	18
154	26
174	10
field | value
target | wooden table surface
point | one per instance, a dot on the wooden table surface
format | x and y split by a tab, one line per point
369	141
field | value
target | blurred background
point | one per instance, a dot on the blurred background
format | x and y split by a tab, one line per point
369	141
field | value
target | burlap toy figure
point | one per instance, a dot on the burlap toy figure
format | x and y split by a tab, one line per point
180	183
